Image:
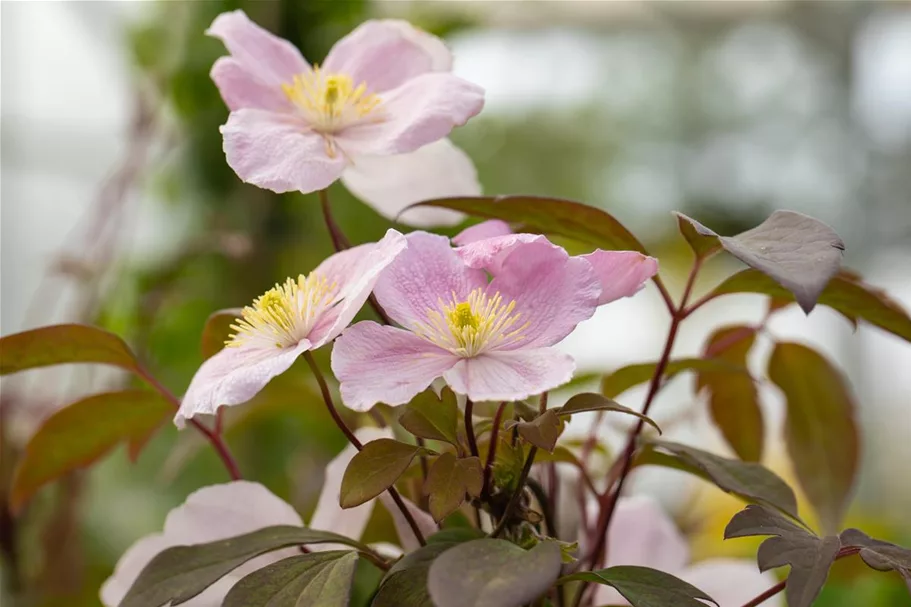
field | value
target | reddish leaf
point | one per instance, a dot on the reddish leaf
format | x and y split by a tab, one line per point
703	246
449	480
218	330
376	468
60	344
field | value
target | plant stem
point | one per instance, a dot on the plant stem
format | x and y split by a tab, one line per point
492	450
469	427
330	405
213	437
335	233
514	500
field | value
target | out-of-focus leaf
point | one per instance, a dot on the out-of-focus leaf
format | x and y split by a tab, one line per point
800	253
844	293
320	578
644	587
809	556
624	378
60	344
375	468
178	574
560	454
542	432
879	555
820	430
749	480
449	480
81	433
703	246
493	573
733	398
217	330
428	416
549	215
508	462
589	401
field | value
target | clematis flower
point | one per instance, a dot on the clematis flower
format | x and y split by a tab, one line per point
222	511
375	113
642	534
488	340
301	314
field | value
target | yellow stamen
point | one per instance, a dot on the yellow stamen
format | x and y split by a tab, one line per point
331	102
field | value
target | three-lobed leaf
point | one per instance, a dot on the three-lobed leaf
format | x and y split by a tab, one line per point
449	480
431	417
820	430
542	431
644	587
493	573
320	578
590	401
61	344
879	555
80	434
375	468
217	330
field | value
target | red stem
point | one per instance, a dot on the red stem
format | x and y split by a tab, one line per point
469	427
492	449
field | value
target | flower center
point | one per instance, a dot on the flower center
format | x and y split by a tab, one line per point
330	102
285	314
471	327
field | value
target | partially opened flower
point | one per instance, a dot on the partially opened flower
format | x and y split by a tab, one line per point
488	340
383	91
301	314
642	534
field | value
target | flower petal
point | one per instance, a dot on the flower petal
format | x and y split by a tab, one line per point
510	375
355	271
376	363
553	291
421	111
329	515
391	183
234	376
424	521
387	53
731	582
427	271
277	152
491	228
621	273
490	252
241	89
258	52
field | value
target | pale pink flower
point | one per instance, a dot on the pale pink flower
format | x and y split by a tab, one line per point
488	340
642	534
227	510
301	314
375	113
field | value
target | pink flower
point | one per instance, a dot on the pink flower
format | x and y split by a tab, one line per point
385	91
301	314
488	340
222	511
642	534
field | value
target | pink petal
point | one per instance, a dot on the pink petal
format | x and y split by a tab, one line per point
731	582
259	53
621	273
376	363
427	271
128	567
425	523
387	53
355	271
234	376
391	183
420	111
277	152
491	228
241	89
510	375
488	253
553	291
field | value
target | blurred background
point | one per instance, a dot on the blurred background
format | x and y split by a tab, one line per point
118	209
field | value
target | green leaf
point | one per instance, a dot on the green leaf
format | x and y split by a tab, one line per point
81	433
733	398
180	573
879	555
217	331
748	480
542	432
844	293
756	519
624	378
644	587
321	578
493	573
820	431
703	246
800	253
549	215
60	344
589	401
448	481
428	416
375	468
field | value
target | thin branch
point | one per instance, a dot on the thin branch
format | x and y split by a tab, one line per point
492	449
469	427
514	500
339	241
767	594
